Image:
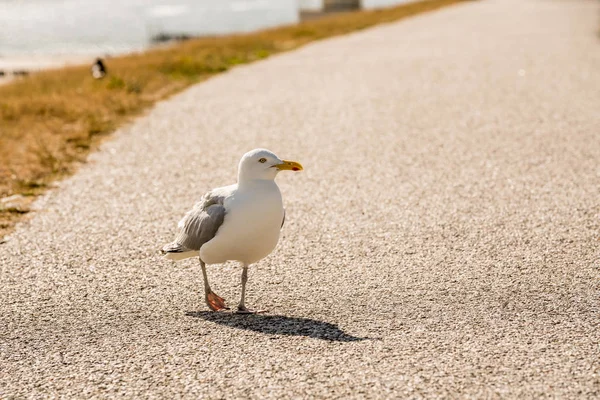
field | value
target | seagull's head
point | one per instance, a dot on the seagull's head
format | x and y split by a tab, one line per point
263	164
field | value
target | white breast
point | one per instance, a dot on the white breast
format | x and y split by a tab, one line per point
251	228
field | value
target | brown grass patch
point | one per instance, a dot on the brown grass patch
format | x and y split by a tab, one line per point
51	120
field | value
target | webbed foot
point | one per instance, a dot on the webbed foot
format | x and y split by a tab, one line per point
244	310
215	302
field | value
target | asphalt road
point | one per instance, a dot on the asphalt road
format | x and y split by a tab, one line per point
443	240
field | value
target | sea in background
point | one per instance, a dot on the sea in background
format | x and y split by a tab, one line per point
42	28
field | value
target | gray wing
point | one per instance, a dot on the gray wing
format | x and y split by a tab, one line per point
199	225
283	221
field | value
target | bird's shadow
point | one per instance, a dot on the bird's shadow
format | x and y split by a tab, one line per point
278	325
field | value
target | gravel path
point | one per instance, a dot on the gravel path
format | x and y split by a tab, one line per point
442	241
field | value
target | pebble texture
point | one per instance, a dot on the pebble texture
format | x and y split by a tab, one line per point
443	240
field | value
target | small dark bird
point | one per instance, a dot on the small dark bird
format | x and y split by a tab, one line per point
98	69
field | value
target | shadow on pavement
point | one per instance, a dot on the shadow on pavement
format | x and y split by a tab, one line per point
278	325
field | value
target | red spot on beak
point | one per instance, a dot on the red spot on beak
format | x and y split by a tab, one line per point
295	169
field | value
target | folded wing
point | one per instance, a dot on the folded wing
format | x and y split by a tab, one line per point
197	227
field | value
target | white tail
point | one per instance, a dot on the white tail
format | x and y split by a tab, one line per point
181	256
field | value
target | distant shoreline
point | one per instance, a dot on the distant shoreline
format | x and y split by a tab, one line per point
15	66
12	67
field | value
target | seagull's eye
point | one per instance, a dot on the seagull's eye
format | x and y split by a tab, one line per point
262	160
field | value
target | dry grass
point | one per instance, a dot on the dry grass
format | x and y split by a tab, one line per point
50	121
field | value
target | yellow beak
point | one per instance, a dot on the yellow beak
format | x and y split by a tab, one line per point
289	166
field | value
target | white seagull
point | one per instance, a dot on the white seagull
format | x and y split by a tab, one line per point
239	222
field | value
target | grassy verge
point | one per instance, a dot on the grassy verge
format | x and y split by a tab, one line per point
50	121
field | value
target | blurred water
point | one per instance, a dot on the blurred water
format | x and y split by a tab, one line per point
40	27
370	4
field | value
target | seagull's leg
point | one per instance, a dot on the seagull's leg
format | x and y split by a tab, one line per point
214	301
242	306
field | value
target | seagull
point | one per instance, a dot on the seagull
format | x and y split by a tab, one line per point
240	222
98	69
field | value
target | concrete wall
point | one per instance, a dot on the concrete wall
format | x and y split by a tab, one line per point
311	5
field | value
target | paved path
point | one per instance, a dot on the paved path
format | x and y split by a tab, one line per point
442	241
